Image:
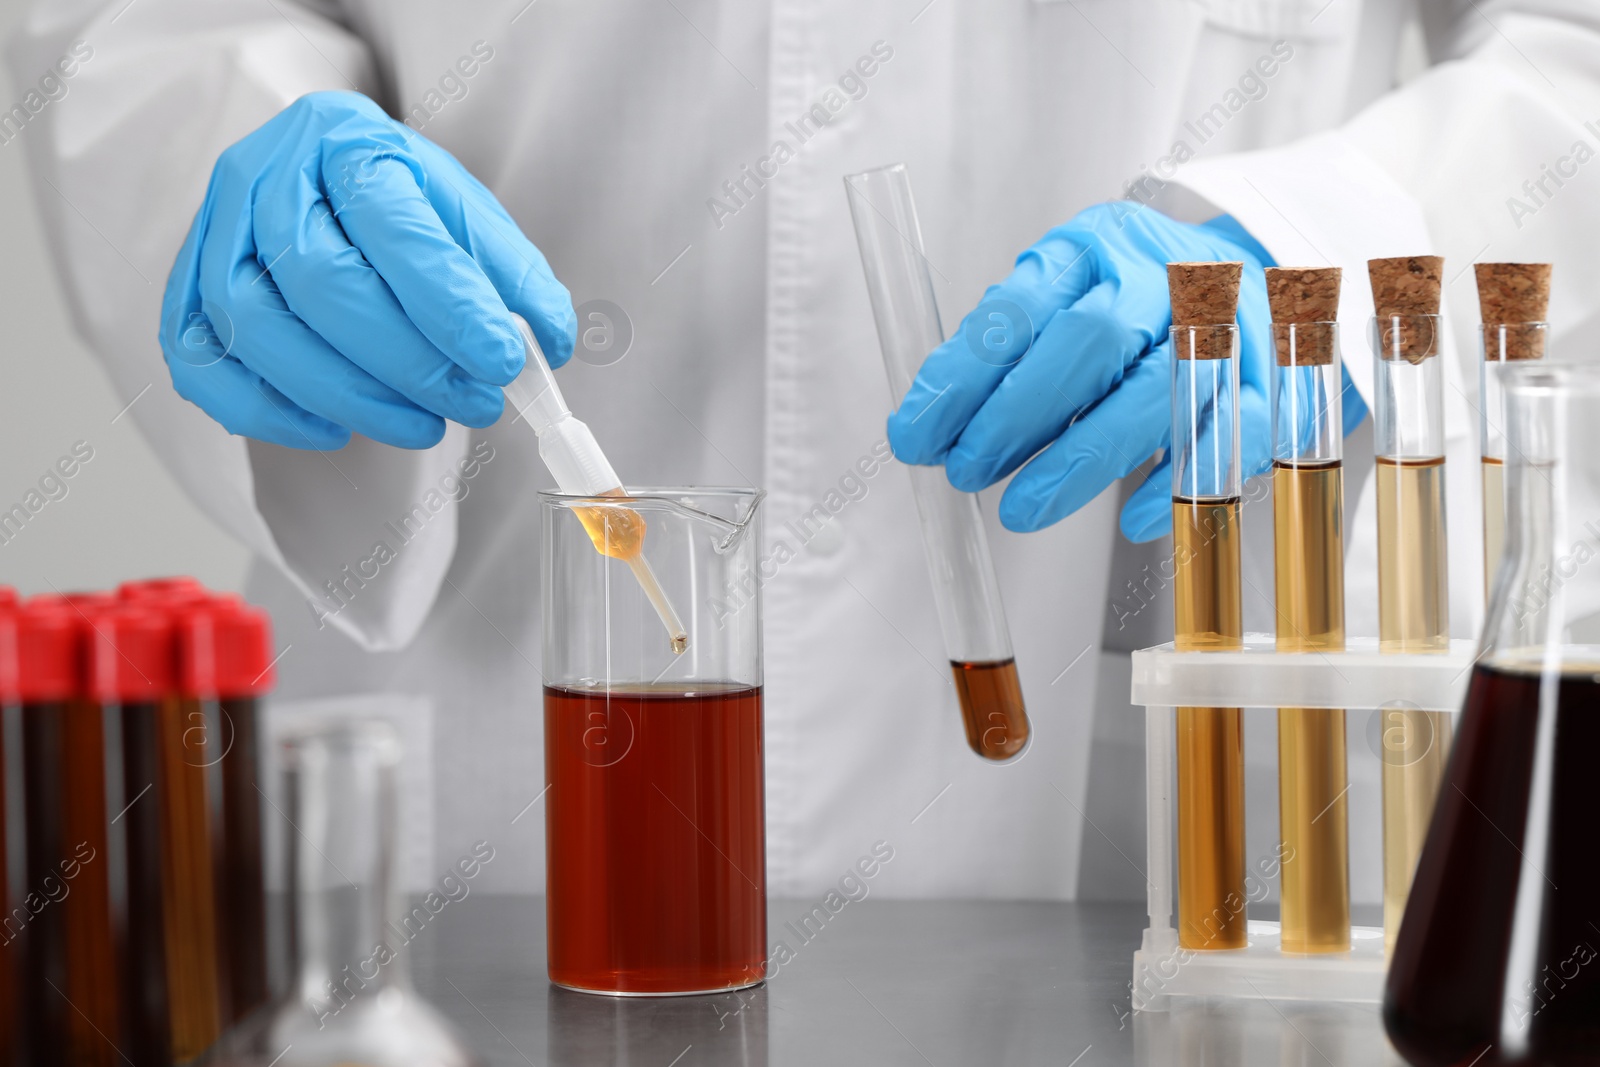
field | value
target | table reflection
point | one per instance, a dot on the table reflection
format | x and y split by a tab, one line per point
1206	1031
723	1029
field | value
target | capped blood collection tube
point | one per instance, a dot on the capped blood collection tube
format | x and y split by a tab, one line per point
71	997
11	945
186	749
130	665
225	664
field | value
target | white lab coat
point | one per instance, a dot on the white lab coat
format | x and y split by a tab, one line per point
609	130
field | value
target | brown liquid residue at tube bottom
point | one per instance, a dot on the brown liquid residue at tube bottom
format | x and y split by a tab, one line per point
991	707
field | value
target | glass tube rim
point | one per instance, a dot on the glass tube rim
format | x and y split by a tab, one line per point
342	737
1403	326
663	493
1542	324
746	499
874	172
1229	327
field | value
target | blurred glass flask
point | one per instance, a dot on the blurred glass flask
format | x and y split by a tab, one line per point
350	1002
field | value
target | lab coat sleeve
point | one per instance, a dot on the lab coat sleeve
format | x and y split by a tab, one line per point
123	108
1454	163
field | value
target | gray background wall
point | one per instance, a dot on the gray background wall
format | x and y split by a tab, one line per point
122	516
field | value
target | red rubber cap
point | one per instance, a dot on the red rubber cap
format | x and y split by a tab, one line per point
130	656
224	650
10	682
46	652
8	597
180	587
76	605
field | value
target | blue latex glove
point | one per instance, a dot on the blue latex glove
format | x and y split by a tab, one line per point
346	274
1086	377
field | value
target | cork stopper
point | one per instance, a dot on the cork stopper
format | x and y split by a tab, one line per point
1204	294
1308	299
1406	286
1511	296
1513	292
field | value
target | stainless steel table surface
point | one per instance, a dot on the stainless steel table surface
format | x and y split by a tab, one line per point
884	982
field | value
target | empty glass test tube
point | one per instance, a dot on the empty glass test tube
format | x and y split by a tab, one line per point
1207	610
1308	541
1512	298
960	569
1413	589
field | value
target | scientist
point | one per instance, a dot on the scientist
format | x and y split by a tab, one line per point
303	225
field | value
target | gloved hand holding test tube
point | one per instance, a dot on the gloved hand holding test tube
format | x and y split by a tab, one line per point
569	450
966	592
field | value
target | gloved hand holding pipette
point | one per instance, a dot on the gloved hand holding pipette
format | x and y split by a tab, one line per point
1083	401
569	449
345	274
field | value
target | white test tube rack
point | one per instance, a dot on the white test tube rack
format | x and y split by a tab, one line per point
1258	676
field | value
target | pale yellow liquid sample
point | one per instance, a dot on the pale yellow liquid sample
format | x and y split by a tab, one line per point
1413	616
1494	518
1207	615
1308	528
618	532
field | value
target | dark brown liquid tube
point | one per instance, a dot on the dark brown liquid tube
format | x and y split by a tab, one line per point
991	708
243	905
43	936
147	1010
82	857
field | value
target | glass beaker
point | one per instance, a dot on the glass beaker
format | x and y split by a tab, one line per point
1496	961
655	819
350	1000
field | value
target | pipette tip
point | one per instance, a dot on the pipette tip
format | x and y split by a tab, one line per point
658	598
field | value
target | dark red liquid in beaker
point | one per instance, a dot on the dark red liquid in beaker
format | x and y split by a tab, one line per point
1498	960
655	838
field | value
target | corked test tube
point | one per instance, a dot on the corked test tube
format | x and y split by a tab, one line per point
1413	590
1207	615
1308	541
1512	299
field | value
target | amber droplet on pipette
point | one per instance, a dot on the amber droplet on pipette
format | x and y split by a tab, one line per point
991	708
618	532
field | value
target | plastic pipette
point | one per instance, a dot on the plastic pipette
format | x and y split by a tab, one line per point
573	456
